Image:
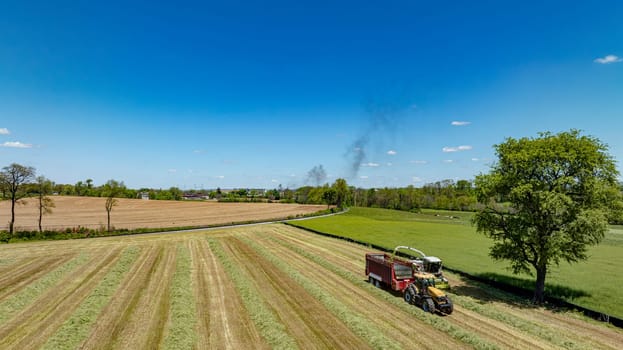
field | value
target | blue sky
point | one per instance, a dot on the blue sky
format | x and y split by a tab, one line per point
255	94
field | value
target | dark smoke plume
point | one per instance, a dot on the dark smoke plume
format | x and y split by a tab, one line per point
317	175
381	120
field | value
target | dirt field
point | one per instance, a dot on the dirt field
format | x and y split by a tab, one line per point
268	286
136	213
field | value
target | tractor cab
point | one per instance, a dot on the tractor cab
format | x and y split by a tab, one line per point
423	281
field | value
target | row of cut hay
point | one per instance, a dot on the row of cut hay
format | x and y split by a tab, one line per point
182	314
268	324
33	326
358	324
437	322
19	301
77	327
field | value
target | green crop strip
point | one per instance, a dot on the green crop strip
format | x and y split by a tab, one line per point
183	314
19	301
77	327
273	331
358	324
432	320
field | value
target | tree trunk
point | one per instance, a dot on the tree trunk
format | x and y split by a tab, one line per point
108	211
40	212
539	290
13	200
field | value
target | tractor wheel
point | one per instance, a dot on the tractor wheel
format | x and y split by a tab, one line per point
450	307
409	296
377	284
428	306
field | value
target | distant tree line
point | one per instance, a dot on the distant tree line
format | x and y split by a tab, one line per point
18	182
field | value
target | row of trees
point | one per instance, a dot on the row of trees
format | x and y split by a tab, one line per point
18	182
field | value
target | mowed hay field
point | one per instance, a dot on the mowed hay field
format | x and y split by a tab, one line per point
90	212
263	286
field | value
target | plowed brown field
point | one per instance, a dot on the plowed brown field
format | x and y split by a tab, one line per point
268	286
90	212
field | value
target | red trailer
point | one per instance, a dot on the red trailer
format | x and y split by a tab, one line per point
385	269
403	275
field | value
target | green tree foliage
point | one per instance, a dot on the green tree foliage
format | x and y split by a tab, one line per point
342	193
329	196
546	200
12	181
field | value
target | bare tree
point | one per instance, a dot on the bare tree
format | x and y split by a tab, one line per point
112	188
12	178
43	188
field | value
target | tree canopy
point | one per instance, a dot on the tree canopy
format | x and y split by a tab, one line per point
546	200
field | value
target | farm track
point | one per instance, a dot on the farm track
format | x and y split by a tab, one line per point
309	322
312	286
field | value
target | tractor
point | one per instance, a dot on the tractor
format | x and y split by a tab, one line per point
423	293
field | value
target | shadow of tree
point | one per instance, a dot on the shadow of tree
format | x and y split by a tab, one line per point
516	291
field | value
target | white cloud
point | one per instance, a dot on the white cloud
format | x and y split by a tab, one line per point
372	165
391	152
456	149
418	161
417	179
363	177
608	59
220	177
4	131
475	159
460	123
448	161
274	181
172	171
16	144
390	164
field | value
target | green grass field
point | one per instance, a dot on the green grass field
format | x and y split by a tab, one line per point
451	237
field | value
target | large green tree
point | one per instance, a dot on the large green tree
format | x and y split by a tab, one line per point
12	179
546	200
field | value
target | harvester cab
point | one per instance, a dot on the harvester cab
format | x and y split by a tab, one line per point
427	264
432	265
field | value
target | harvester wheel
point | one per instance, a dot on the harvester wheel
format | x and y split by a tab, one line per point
428	306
